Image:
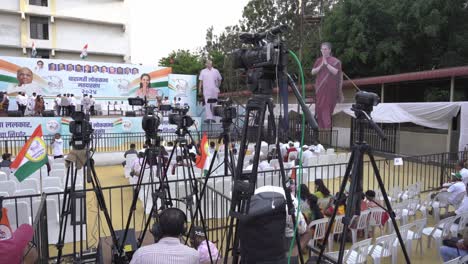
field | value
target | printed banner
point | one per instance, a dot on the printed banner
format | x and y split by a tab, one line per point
183	89
102	80
21	127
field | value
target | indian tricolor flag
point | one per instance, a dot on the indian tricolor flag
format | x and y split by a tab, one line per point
118	122
65	121
201	160
32	156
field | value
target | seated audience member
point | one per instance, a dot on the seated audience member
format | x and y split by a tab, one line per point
454	190
132	150
331	206
454	250
137	164
168	248
290	149
317	147
250	166
309	206
321	191
463	208
263	164
14	248
198	241
306	153
272	154
462	171
6	160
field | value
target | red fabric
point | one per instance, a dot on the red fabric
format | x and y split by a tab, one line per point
292	149
11	250
326	91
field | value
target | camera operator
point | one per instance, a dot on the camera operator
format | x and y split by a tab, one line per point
168	249
210	80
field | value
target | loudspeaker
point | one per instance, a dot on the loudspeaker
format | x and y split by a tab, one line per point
130	113
262	231
15	113
48	113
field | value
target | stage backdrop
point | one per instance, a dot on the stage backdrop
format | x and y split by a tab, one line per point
19	127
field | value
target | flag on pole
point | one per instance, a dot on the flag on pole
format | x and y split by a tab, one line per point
84	52
33	50
200	161
32	156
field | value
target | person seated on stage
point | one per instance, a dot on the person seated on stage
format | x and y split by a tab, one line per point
6	160
168	247
457	247
132	150
321	191
291	148
198	241
179	163
263	165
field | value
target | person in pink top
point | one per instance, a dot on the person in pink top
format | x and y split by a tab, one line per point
210	80
198	241
13	249
327	85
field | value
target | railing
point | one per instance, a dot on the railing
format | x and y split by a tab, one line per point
429	170
40	238
371	137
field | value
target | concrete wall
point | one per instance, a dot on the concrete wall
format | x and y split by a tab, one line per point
10	4
10	33
13	52
418	143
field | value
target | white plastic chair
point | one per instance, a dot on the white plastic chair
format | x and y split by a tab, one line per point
6	170
438	232
58	173
3	176
455	228
362	224
356	254
404	229
18	213
382	248
52	182
336	231
375	219
330	151
4	194
319	227
8	187
415	233
31	184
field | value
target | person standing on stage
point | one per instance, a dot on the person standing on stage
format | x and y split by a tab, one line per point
210	80
327	85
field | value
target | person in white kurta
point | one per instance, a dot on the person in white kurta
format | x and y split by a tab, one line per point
210	80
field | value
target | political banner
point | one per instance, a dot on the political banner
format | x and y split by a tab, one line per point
100	79
183	90
21	127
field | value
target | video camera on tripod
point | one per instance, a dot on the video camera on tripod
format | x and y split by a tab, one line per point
225	110
150	122
81	130
180	118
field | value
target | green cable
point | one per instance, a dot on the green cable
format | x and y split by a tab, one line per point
298	175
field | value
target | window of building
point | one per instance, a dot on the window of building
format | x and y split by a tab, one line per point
39	27
43	54
38	2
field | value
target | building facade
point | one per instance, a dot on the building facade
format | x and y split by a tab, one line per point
61	28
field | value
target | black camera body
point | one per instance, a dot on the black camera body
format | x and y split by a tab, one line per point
81	130
179	116
225	110
365	101
263	61
150	124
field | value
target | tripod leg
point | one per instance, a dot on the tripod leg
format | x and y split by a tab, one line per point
335	210
389	206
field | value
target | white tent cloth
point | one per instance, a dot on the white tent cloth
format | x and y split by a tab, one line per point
433	115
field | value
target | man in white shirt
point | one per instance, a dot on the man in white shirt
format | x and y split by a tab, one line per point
306	154
263	165
22	101
210	80
463	208
73	103
317	147
31	104
57	102
168	249
454	190
57	146
460	167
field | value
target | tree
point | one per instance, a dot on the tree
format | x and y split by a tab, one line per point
182	62
377	37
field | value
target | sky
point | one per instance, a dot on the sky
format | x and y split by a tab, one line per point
161	26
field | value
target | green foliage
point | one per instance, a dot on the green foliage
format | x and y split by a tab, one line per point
182	62
375	37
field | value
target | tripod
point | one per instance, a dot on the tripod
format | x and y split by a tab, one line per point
70	195
356	164
244	184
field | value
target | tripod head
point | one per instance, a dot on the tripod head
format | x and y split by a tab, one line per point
362	109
